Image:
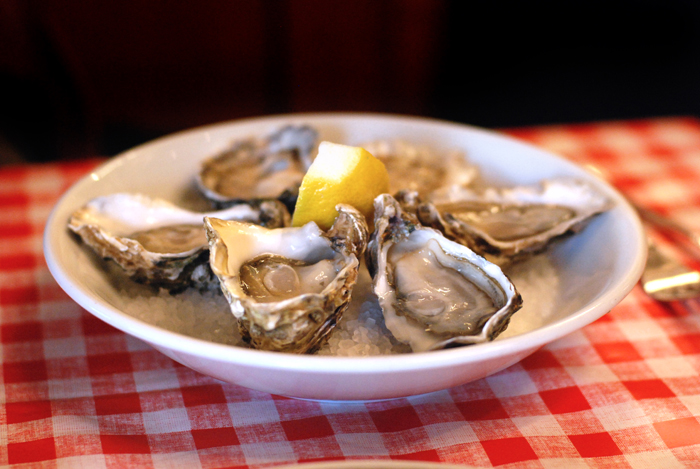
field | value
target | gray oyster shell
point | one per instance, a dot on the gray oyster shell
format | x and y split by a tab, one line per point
259	168
421	168
434	293
158	243
509	224
294	314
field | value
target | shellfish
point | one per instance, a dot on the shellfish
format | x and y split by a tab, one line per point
158	243
434	293
288	287
420	168
259	168
507	224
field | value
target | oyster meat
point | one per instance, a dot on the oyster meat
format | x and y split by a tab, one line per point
288	287
420	168
434	293
158	243
508	224
255	168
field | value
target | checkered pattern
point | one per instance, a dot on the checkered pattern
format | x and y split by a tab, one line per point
622	392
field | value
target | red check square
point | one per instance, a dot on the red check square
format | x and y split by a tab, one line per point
540	359
110	363
22	332
203	395
595	445
14	200
18	412
656	309
214	437
605	318
508	450
616	352
128	403
395	419
13	296
18	261
94	326
679	432
565	400
648	389
304	429
689	344
31	451
483	409
600	153
20	372
16	230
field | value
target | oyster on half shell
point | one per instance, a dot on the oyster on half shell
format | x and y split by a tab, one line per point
434	293
288	287
507	224
259	168
158	243
421	168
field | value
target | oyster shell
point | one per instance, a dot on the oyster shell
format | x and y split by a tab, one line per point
158	243
287	287
434	293
266	168
510	223
420	168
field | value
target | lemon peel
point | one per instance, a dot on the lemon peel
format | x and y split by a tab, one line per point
340	174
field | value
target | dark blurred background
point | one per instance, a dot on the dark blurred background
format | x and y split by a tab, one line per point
94	78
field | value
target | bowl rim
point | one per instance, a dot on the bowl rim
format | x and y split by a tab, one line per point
159	337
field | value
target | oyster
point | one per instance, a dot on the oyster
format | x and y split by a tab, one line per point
267	168
288	287
434	293
510	223
158	243
420	168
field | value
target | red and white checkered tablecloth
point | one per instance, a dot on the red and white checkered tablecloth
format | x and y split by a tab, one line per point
622	392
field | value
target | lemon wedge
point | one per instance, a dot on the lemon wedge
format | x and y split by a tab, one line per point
340	174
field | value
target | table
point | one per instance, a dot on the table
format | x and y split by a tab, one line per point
622	392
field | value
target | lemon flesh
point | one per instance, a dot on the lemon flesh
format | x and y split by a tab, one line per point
340	174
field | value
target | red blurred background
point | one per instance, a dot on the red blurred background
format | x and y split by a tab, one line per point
87	78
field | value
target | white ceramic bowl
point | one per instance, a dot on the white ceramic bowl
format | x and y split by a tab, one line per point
596	268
